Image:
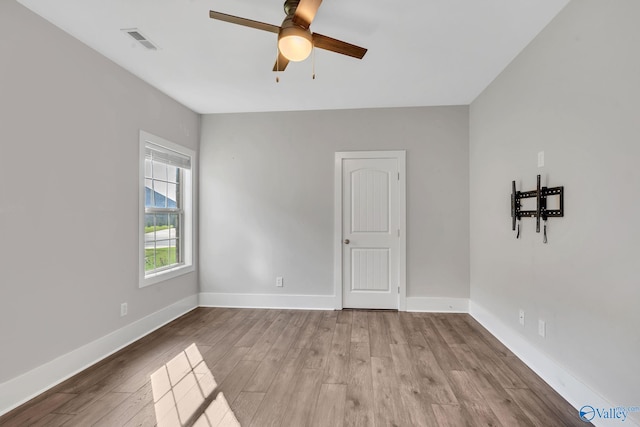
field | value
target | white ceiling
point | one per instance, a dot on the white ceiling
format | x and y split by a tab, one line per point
421	52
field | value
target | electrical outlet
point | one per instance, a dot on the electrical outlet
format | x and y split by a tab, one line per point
542	328
279	281
123	309
521	317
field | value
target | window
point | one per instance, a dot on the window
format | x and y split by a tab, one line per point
166	209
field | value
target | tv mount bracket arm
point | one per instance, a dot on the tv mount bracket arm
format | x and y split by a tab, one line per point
541	212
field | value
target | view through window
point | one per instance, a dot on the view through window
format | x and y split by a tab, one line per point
167	206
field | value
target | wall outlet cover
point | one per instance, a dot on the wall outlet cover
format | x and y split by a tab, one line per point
542	328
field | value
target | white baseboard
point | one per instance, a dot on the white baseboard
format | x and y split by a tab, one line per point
438	304
322	302
296	302
569	387
22	388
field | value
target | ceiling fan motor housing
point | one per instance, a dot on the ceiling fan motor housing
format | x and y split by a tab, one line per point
290	7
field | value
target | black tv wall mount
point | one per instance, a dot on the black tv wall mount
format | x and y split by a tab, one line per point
541	212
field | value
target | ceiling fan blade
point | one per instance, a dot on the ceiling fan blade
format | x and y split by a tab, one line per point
338	46
244	21
305	12
281	63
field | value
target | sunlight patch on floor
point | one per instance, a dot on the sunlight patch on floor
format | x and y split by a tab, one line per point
185	394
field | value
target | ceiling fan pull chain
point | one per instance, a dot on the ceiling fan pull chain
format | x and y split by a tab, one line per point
277	63
313	61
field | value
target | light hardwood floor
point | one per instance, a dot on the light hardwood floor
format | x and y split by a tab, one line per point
299	368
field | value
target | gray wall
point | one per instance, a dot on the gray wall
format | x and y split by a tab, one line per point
69	123
267	190
574	94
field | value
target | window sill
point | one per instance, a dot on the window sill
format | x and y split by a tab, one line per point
162	276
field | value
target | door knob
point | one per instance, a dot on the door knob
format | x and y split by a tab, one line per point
346	241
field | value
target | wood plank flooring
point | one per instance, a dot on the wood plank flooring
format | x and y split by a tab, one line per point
265	368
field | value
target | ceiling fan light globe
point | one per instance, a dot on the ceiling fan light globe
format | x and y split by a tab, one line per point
295	44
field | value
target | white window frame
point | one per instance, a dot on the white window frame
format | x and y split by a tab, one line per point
187	266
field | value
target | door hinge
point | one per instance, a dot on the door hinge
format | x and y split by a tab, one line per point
398	289
398	176
398	232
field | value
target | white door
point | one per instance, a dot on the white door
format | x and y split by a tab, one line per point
370	233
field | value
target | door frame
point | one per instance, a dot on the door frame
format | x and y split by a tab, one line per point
400	156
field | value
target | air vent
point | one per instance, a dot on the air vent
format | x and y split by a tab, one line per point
140	38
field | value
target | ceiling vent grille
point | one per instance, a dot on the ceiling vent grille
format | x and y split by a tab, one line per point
140	38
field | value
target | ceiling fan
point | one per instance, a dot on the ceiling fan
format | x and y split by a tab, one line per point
295	39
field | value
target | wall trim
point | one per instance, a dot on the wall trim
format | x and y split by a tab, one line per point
438	304
322	302
568	386
275	301
25	387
